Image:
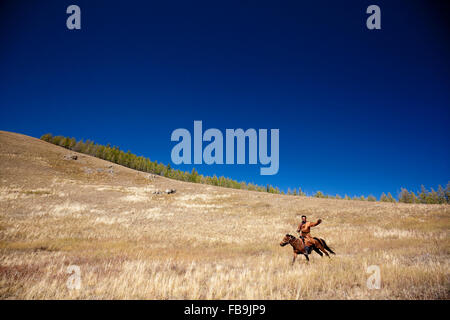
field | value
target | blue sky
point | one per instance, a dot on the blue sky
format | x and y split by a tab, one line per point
359	111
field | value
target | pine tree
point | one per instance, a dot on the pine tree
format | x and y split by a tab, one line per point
404	196
413	198
72	142
423	195
384	198
447	192
433	197
64	142
78	146
319	194
441	195
194	176
47	137
390	197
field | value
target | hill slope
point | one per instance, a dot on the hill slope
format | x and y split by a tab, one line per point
200	242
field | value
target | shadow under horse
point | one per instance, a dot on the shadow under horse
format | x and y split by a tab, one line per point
299	246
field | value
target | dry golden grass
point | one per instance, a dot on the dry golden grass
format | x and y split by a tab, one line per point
202	242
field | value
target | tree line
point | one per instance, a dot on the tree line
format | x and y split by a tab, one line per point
438	196
116	155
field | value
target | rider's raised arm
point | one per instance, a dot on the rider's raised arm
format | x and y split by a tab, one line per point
313	224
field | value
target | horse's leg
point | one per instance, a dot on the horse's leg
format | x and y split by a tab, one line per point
321	248
317	251
293	260
326	253
306	256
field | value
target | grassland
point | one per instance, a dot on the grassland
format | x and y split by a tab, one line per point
202	242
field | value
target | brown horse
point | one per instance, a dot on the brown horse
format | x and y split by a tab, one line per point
299	246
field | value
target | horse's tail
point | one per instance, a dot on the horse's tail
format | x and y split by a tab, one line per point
325	245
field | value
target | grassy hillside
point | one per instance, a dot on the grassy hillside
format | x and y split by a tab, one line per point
201	242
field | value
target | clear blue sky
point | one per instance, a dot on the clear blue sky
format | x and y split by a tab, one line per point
359	111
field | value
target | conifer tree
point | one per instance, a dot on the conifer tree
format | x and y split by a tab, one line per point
413	198
441	195
433	197
423	195
319	194
447	192
194	175
390	197
47	137
404	196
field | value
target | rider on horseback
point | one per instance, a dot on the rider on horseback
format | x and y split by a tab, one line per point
304	229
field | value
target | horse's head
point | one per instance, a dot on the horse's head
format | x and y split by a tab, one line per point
287	239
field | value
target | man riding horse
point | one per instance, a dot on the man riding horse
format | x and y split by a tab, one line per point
304	229
306	243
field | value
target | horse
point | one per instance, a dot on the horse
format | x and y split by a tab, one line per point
298	246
